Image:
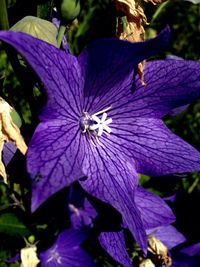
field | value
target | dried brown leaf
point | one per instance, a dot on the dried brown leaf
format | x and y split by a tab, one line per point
2	167
160	251
8	132
133	31
155	2
29	257
146	263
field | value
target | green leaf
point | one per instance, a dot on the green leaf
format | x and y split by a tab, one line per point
37	27
4	25
11	225
16	118
194	1
44	10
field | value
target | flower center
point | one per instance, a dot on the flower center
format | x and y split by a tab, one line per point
96	124
54	255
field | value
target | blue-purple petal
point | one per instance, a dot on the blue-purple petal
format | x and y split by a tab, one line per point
59	72
156	150
54	158
108	66
191	250
154	211
182	260
80	210
9	150
114	244
168	235
169	84
113	180
66	252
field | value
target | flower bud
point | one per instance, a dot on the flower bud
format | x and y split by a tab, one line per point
68	10
39	28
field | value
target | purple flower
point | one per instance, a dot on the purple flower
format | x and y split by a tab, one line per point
154	212
66	251
81	211
180	254
99	122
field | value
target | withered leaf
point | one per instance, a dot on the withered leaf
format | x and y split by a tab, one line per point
160	251
155	2
136	19
133	30
8	132
29	257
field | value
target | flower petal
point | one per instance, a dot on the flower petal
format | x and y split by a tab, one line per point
114	244
58	71
80	210
156	150
66	252
191	250
108	67
54	158
113	180
168	235
154	211
169	84
9	150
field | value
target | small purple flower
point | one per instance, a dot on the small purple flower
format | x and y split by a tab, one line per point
66	251
81	211
101	123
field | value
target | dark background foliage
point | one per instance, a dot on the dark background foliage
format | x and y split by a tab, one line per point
96	20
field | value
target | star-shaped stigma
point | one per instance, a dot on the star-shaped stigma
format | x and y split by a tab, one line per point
101	124
95	126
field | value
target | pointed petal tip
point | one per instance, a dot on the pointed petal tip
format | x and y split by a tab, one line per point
164	37
34	205
37	199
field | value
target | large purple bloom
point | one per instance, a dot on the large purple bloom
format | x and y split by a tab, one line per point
101	124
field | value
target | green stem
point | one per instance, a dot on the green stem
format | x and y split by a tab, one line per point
159	10
44	10
61	33
4	24
12	56
192	187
